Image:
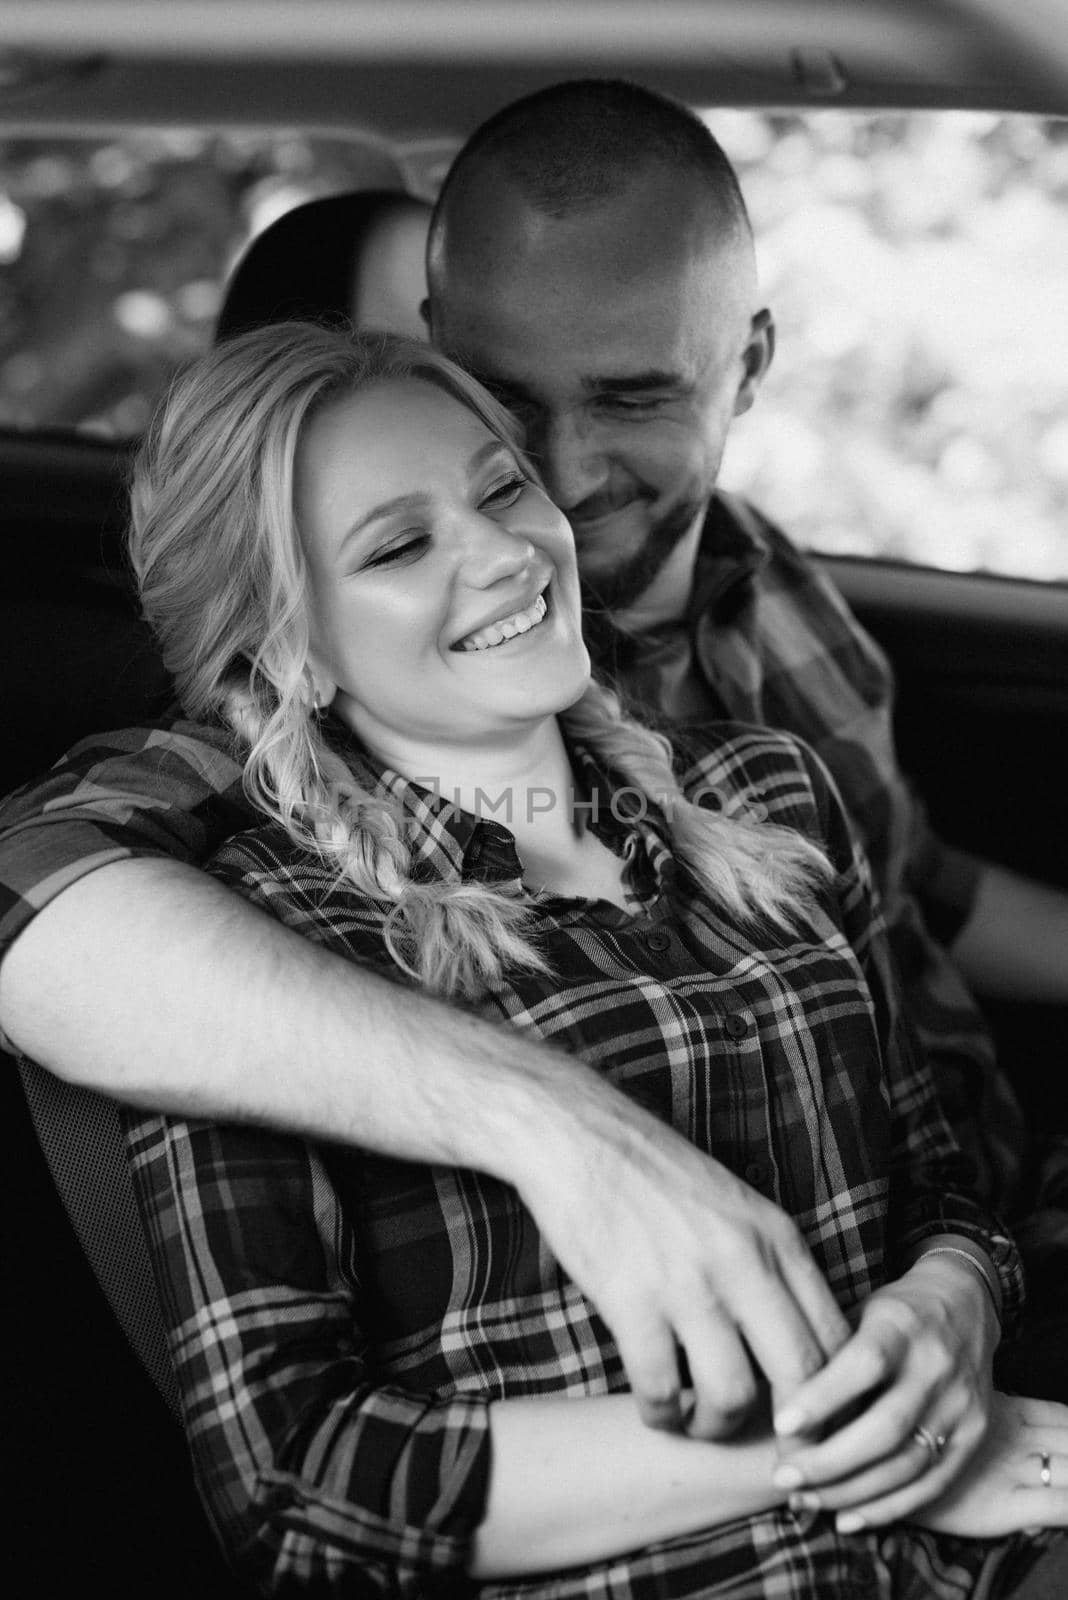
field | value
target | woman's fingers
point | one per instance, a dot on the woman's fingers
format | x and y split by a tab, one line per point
898	1472
855	1371
1026	1502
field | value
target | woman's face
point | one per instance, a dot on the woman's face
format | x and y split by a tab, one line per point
445	605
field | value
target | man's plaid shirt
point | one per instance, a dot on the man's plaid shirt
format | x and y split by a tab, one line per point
768	640
341	1322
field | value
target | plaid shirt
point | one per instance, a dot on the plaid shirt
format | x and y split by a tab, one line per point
767	640
341	1321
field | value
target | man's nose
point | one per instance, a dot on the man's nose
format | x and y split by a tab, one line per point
573	465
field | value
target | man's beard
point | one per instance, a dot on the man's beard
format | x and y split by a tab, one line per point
616	590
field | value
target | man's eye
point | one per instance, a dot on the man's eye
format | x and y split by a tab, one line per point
505	493
624	405
406	545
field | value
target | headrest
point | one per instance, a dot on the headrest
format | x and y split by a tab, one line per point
356	257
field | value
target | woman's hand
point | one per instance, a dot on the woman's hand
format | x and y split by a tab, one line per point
1002	1488
895	1416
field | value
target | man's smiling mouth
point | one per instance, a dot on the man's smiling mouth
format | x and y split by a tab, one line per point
507	628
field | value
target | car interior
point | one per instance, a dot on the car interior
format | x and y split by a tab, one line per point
101	1482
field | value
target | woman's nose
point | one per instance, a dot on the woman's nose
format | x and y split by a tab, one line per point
490	552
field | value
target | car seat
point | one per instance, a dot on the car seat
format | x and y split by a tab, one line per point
356	257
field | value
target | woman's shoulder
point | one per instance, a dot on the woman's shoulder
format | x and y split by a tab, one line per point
265	865
734	759
265	849
764	774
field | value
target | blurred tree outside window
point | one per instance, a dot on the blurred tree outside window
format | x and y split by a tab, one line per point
917	266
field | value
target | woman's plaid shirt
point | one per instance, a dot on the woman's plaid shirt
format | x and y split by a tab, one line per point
341	1322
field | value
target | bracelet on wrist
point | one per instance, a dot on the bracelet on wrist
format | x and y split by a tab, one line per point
985	1274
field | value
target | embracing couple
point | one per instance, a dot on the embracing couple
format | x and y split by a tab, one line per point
616	1242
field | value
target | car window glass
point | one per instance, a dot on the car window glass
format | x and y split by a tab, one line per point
917	266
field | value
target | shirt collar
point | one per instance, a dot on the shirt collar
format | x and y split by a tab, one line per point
731	553
448	842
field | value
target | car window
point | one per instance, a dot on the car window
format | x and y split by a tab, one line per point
917	266
113	255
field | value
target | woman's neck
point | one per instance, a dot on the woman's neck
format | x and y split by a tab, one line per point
527	787
525	784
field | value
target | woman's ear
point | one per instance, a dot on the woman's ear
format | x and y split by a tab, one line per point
320	685
757	357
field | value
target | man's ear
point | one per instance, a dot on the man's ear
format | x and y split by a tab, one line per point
757	357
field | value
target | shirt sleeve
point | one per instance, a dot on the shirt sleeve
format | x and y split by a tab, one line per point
317	1472
932	1181
171	788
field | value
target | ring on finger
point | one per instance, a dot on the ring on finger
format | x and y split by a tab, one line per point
933	1443
1045	1471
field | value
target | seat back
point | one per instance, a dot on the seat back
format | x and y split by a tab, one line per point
81	1136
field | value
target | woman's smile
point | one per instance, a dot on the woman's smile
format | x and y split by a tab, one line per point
491	635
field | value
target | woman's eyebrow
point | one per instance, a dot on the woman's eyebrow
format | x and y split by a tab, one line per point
416	501
486	452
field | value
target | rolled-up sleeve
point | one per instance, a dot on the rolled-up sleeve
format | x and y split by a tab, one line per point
170	789
318	1471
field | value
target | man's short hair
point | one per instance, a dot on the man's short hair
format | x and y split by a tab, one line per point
576	143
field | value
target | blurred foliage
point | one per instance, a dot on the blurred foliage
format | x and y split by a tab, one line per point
917	266
917	408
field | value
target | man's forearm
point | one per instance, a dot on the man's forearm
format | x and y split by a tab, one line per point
201	1004
1014	945
153	983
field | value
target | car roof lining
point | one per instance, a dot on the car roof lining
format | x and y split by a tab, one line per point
418	68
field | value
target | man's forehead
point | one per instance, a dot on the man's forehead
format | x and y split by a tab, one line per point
571	337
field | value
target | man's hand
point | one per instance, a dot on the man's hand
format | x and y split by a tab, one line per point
678	1254
913	1384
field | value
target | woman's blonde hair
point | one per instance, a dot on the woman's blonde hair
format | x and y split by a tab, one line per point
217	554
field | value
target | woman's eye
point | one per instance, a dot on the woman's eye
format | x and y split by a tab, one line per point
506	493
407	545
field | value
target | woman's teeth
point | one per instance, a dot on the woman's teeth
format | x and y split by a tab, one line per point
507	628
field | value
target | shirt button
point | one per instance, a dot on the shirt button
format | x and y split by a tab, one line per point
658	940
737	1024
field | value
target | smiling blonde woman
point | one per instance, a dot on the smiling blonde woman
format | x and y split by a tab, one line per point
391	1383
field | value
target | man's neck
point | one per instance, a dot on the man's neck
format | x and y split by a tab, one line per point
667	598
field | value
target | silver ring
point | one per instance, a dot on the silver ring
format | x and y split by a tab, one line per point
1045	1473
933	1443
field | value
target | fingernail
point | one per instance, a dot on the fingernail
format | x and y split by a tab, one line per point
792	1420
787	1477
849	1522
